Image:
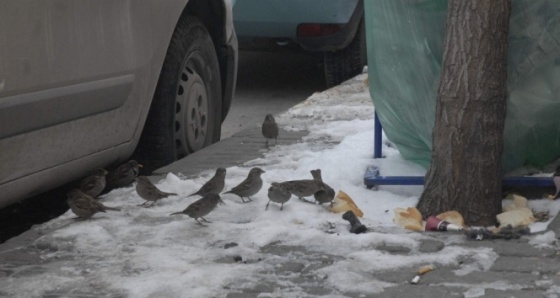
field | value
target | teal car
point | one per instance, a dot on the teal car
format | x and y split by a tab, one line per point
334	30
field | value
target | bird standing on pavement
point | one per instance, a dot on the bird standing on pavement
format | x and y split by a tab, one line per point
279	194
149	192
94	184
303	188
124	175
215	185
250	186
202	207
84	206
326	195
270	128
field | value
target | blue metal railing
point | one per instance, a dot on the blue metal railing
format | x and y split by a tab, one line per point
373	176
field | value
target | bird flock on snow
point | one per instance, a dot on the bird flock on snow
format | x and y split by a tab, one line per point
84	204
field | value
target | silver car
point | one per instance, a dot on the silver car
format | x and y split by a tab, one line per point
88	84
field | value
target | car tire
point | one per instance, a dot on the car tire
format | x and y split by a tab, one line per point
346	63
185	113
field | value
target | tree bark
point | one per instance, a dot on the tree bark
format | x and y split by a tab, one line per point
467	142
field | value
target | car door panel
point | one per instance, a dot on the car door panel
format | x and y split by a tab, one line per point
77	79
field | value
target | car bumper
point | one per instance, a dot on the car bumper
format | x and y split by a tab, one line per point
274	25
338	40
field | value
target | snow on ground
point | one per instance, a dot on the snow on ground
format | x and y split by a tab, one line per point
144	252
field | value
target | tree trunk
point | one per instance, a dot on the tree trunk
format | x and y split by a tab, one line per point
466	170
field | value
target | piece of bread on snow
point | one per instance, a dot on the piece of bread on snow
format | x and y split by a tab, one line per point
409	218
343	202
517	217
453	217
517	201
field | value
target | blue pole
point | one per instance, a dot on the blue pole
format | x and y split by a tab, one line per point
377	137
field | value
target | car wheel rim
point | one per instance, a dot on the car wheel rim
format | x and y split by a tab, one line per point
191	112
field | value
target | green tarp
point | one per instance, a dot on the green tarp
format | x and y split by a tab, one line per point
405	39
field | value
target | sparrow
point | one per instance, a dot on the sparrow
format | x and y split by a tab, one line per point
84	206
326	195
250	186
202	207
303	188
556	180
124	175
279	194
149	192
215	185
94	184
270	128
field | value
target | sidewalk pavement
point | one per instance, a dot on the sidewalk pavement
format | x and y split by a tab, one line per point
519	270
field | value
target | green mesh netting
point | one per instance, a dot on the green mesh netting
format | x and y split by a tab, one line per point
405	39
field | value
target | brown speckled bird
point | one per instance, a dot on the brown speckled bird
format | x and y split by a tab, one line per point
84	206
94	184
149	192
279	194
202	207
303	188
250	186
124	175
215	185
269	128
326	195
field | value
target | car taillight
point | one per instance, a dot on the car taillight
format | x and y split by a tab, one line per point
310	30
